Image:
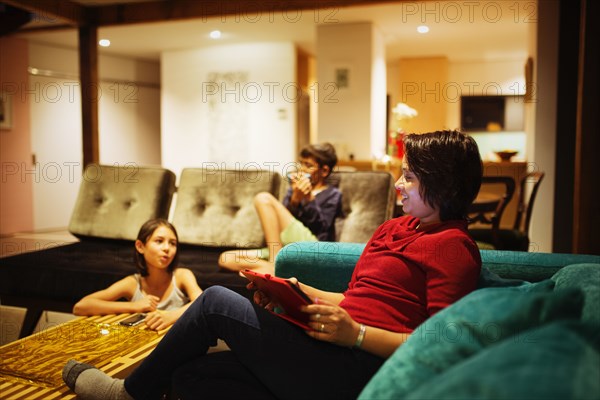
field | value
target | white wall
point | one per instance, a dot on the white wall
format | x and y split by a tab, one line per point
543	151
378	95
347	116
481	77
129	123
229	105
129	111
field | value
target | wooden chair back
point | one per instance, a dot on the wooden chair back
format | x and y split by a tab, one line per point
488	209
528	189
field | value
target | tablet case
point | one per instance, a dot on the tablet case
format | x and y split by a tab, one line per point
288	296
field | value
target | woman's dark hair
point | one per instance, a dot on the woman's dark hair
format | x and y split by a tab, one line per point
323	153
144	235
449	169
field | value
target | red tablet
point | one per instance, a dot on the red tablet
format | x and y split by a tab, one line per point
288	295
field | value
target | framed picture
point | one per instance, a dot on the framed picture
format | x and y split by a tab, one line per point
5	111
342	77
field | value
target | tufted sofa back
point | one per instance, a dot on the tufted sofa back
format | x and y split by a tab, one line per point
215	207
368	200
114	201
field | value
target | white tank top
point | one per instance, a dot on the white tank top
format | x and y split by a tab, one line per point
175	300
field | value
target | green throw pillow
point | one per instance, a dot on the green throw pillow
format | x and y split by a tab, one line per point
484	317
559	360
587	278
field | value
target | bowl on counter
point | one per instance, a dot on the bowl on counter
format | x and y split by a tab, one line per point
506	155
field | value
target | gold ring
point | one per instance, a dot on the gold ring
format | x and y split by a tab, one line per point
317	317
322	327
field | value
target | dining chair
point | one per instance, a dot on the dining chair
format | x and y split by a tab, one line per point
487	209
516	238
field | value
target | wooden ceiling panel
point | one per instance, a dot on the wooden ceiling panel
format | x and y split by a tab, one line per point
66	10
132	12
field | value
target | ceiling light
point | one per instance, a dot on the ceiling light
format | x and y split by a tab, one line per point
215	34
423	29
104	42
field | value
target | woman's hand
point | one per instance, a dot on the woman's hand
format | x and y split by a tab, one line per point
147	304
331	323
159	320
260	298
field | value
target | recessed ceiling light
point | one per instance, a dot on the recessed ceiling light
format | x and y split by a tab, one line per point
104	42
215	34
423	29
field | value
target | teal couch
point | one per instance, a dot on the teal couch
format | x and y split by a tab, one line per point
530	330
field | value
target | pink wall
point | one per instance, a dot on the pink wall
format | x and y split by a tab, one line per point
16	191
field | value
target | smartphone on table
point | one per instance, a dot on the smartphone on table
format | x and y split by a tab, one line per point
134	320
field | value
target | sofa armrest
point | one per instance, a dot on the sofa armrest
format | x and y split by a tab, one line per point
530	266
323	265
329	265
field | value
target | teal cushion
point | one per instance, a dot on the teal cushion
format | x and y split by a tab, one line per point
530	266
333	261
484	317
587	278
488	278
560	360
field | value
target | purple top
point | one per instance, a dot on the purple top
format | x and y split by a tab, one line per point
319	215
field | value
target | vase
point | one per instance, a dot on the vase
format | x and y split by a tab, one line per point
396	144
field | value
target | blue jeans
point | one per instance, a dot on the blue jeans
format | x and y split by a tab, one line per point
281	356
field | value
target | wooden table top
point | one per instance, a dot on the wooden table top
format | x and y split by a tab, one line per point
31	367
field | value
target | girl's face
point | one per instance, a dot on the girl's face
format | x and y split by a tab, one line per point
412	203
160	249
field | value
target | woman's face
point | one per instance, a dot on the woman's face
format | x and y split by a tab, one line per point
412	202
160	249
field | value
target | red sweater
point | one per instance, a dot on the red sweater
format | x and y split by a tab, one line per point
406	275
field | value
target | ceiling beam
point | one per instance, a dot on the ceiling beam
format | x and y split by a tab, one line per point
155	11
73	13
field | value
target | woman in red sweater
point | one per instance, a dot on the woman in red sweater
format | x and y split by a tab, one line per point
412	267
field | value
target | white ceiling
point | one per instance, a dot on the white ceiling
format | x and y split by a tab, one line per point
460	30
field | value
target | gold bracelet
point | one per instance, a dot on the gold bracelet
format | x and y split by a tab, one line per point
361	336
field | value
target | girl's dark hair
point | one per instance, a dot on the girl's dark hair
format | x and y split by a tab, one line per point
449	169
144	235
323	153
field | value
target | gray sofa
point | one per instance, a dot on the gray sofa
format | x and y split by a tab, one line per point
213	211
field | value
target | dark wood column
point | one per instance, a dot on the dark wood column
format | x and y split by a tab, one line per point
586	218
576	217
88	73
